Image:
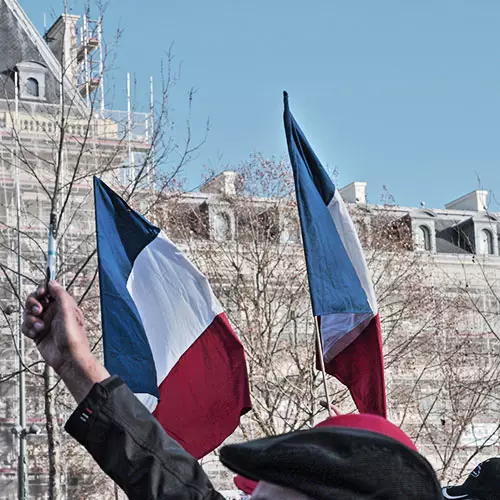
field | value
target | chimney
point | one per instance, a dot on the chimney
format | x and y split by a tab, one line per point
355	192
474	202
224	183
61	39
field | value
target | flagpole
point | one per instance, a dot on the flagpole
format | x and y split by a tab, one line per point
322	363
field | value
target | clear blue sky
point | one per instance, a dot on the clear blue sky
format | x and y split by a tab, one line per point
398	92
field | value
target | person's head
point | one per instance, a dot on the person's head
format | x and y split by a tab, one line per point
345	457
483	483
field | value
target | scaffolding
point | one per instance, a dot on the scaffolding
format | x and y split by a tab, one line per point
138	129
90	59
140	161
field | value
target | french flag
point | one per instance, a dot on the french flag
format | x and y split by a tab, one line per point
341	290
164	331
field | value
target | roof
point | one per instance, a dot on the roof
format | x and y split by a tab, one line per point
447	237
20	41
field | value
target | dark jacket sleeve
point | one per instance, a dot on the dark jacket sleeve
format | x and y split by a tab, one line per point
133	449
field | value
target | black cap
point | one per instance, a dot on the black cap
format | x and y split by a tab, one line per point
336	463
483	483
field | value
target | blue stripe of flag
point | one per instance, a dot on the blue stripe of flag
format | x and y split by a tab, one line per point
334	284
121	235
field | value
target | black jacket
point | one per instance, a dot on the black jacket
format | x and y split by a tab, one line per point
132	448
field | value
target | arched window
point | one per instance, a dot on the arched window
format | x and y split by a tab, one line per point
423	238
222	227
32	87
487	247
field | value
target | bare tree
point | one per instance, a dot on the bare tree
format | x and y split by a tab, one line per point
464	404
246	240
242	231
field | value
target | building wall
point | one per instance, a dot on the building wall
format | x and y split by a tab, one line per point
440	313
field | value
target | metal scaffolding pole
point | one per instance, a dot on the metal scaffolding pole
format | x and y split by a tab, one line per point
21	427
85	60
101	64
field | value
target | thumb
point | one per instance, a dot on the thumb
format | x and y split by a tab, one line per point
58	293
63	300
58	299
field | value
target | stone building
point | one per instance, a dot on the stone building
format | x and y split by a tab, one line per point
55	134
436	274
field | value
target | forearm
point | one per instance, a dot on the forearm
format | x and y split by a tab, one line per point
80	373
133	449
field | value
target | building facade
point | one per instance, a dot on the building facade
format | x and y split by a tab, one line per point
56	133
436	275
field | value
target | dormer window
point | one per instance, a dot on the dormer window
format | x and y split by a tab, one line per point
487	247
423	238
32	87
31	77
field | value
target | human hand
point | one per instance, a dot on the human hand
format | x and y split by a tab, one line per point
56	324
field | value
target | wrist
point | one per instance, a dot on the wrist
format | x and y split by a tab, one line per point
81	361
80	373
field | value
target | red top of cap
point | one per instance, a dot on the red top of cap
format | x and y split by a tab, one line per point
369	422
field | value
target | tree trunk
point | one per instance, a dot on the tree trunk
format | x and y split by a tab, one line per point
53	437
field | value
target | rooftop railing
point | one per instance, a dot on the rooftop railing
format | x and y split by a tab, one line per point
42	120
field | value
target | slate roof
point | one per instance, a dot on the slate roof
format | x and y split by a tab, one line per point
17	46
447	231
20	41
451	235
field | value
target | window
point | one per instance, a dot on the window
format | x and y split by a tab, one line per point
222	227
423	238
486	242
32	87
31	80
